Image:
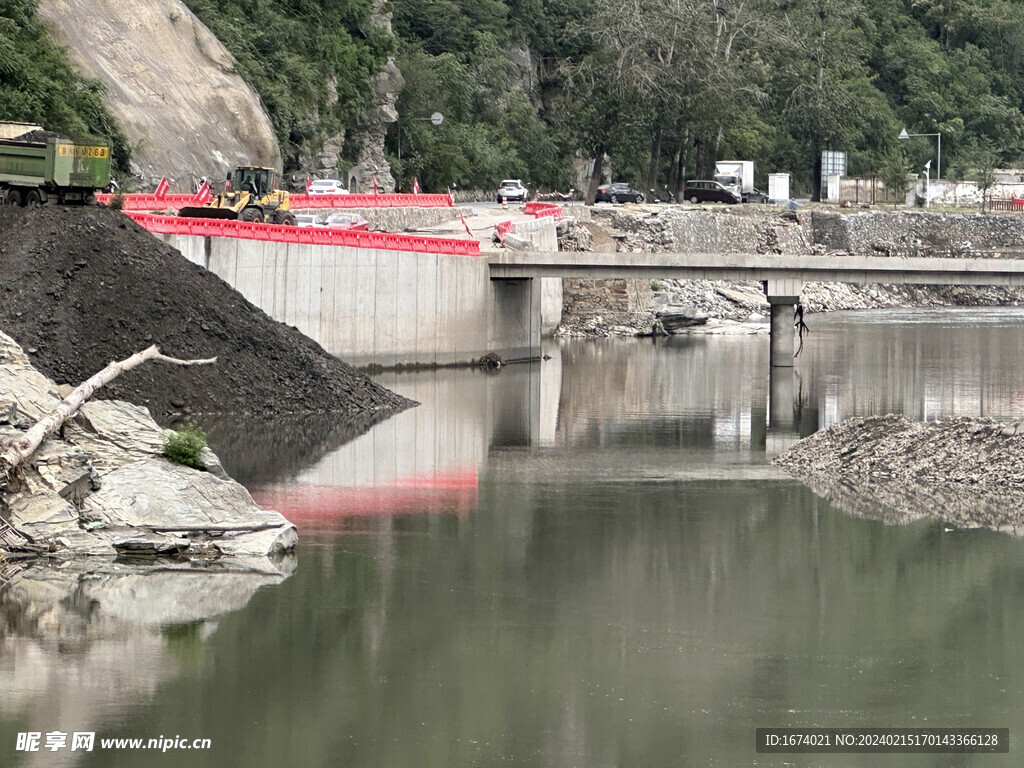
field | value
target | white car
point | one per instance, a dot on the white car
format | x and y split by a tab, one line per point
308	220
512	189
327	187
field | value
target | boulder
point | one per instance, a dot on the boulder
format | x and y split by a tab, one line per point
102	485
674	318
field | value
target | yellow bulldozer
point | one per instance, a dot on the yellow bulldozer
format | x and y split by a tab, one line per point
250	194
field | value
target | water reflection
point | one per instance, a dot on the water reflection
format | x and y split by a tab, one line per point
83	644
587	561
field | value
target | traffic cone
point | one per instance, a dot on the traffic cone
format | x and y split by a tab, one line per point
504	202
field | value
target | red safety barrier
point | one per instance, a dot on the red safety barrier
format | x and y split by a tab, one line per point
502	228
297	202
278	233
149	202
539	209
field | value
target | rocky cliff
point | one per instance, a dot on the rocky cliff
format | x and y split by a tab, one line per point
170	83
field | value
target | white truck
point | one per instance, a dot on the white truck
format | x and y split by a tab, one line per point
738	176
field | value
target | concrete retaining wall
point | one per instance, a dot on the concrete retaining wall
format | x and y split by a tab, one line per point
913	233
378	307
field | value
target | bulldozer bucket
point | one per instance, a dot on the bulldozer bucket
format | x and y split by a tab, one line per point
203	212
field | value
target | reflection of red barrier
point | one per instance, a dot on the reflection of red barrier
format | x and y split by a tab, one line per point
278	233
539	209
154	203
319	506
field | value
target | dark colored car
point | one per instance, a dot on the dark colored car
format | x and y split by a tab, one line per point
708	192
617	193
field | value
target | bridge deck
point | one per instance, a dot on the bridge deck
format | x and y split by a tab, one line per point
728	266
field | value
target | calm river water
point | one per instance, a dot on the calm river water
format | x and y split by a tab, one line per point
589	562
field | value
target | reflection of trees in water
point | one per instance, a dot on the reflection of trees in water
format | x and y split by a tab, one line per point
270	450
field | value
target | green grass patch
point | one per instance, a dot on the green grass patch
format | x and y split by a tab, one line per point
185	446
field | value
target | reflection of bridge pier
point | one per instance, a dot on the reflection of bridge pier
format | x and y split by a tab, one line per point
783	408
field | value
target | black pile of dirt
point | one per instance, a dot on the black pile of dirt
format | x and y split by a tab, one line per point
81	287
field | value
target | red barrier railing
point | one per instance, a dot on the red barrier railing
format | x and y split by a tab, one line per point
1006	204
154	203
539	209
277	233
370	201
149	202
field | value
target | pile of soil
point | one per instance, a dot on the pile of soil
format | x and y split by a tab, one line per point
81	287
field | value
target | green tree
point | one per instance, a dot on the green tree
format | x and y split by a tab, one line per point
39	85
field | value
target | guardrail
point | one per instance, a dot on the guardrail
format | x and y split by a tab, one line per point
370	201
1006	204
539	209
148	202
153	203
277	233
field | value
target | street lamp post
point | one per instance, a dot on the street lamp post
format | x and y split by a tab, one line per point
928	184
938	163
437	118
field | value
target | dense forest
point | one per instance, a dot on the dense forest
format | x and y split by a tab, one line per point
661	88
665	87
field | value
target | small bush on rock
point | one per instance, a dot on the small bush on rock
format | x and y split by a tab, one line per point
185	446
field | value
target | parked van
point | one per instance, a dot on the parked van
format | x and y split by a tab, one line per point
709	192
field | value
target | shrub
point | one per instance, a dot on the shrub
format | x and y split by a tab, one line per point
185	446
116	202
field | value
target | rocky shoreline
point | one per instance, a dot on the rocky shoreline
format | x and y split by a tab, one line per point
966	472
102	486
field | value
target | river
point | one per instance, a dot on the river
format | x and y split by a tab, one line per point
585	562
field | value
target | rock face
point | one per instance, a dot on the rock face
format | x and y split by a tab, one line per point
170	83
104	487
966	472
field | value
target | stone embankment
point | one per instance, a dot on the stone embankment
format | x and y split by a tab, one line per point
102	487
631	307
967	472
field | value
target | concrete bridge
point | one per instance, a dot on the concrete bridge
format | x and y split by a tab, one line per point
380	307
783	276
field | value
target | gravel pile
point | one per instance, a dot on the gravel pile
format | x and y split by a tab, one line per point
967	472
81	287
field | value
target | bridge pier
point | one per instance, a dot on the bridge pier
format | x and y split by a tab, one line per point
783	296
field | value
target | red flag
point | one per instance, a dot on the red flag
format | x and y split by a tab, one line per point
203	196
309	183
162	187
375	183
468	232
415	186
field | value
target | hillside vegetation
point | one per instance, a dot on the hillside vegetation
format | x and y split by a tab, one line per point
666	87
38	84
661	87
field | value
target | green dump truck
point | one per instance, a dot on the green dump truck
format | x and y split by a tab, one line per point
38	167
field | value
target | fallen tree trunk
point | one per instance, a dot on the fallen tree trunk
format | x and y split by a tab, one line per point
18	450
